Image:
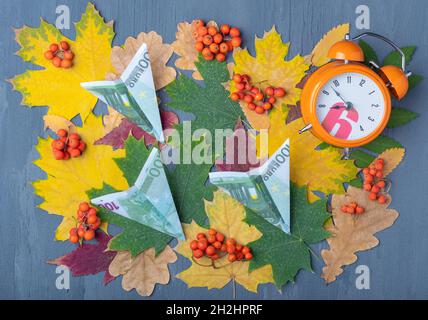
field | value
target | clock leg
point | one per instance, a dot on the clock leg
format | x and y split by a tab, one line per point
346	153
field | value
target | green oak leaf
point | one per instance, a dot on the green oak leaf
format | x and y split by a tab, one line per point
394	58
288	253
135	237
400	116
369	53
377	146
209	102
414	80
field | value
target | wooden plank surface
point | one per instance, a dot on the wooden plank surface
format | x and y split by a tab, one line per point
397	266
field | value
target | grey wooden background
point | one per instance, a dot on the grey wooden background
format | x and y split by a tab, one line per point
398	265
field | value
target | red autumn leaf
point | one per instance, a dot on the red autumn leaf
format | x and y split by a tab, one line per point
116	138
240	154
89	258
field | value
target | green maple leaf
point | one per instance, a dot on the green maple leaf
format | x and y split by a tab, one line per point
135	236
288	253
210	102
213	110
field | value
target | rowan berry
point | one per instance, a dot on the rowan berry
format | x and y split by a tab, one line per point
223	47
231	257
207	40
234	32
74	136
375	189
260	110
49	55
89	234
194	245
64	45
61	133
359	210
372	196
367	187
225	29
212	31
269	91
53	47
58	154
279	92
202	31
201	236
248	256
245	250
248	98
74	238
84	207
75	153
259	96
381	184
251	106
234	97
202	244
214	47
210	250
230	248
381	199
236	42
218	38
237	78
267	106
217	245
198	253
199	46
56	61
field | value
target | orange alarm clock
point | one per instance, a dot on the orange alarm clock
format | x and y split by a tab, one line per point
346	103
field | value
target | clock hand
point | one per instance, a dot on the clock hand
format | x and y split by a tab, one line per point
348	104
338	94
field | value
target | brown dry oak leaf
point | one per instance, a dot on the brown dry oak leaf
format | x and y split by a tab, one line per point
392	158
144	271
159	53
353	233
184	47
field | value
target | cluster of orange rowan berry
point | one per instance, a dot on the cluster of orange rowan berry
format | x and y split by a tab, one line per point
67	146
352	208
215	43
88	222
60	55
373	180
214	246
256	99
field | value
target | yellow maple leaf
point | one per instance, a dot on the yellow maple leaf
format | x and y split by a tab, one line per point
319	53
59	88
68	180
226	216
269	67
322	170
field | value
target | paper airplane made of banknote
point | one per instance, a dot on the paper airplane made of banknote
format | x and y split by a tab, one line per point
133	94
149	201
265	190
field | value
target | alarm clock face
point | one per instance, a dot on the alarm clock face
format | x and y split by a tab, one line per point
350	106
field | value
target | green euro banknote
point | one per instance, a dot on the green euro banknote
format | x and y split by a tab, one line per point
265	190
133	94
149	201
